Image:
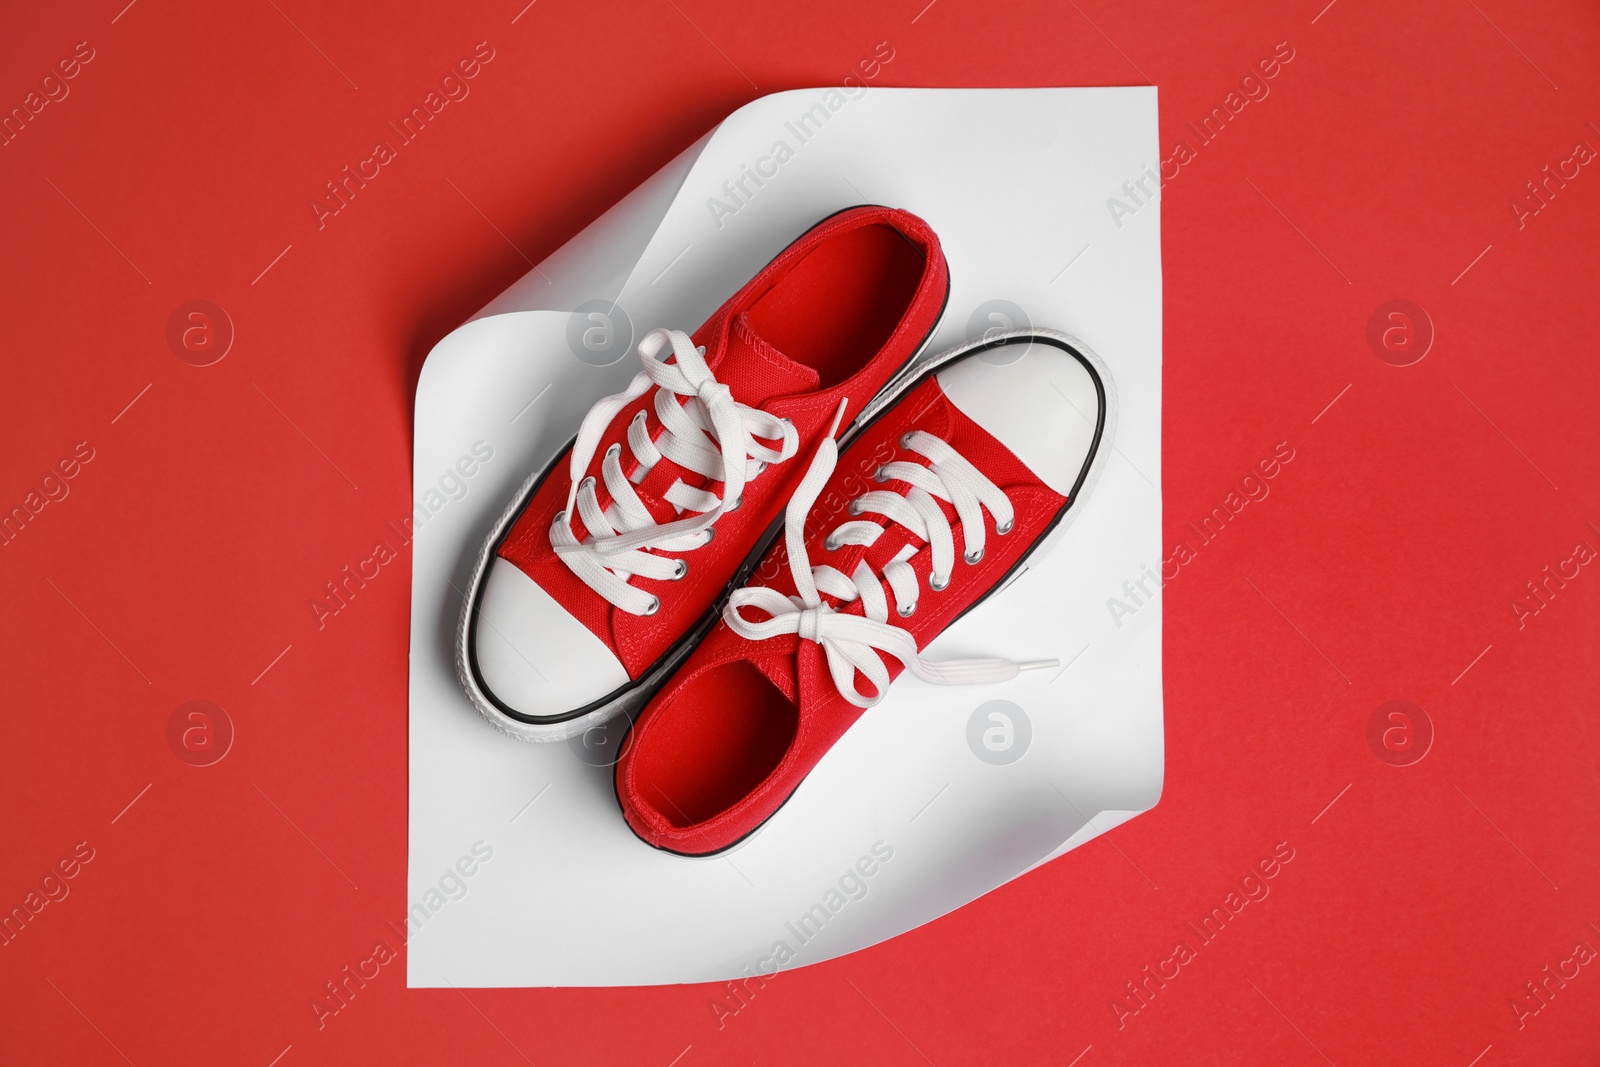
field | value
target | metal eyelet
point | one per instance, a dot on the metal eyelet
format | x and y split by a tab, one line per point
830	544
787	422
907	612
683	568
561	518
973	556
880	475
761	467
937	584
729	509
589	482
615	449
1003	530
655	606
905	440
855	507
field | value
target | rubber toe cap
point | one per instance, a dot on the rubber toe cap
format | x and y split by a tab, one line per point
532	655
1038	400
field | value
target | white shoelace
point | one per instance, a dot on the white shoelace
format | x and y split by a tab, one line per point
853	642
710	433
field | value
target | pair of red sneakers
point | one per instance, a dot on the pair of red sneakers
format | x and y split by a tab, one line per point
633	575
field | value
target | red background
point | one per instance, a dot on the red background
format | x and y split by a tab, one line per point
1386	558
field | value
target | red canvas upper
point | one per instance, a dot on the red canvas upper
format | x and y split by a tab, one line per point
732	734
833	316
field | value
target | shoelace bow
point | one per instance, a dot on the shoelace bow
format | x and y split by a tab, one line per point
709	433
853	642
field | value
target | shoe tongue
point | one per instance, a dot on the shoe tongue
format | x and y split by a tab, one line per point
755	371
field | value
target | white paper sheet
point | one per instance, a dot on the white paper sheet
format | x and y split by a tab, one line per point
1016	183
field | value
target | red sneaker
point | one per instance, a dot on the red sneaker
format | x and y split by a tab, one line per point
605	571
979	463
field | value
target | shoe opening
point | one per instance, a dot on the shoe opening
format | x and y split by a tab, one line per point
834	310
724	734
